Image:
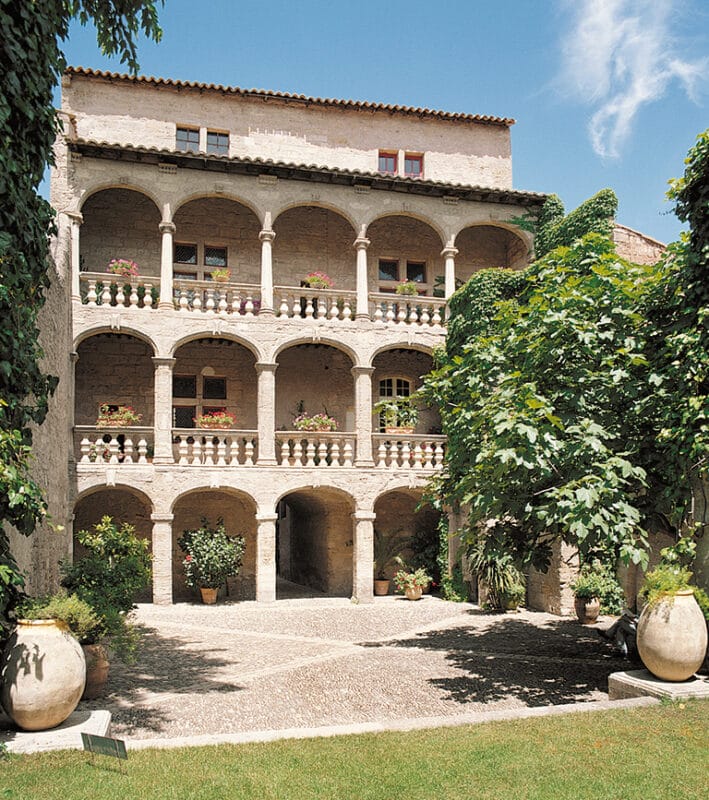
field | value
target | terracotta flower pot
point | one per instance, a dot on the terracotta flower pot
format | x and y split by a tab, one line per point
381	587
672	637
43	674
587	609
414	593
97	666
209	596
400	430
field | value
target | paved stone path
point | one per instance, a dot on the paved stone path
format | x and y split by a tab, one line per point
244	667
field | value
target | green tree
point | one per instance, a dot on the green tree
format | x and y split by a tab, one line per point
31	61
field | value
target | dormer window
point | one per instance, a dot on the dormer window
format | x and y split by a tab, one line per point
413	165
388	162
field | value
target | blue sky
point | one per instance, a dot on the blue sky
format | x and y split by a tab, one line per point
605	92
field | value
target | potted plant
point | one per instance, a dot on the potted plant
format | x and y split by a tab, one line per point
672	631
123	267
220	274
211	556
117	416
588	588
220	420
407	288
399	414
496	570
387	549
413	583
318	280
514	597
314	422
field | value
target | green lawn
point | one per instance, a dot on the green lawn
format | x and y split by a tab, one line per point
658	753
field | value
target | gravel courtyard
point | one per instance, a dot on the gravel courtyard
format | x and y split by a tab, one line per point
239	667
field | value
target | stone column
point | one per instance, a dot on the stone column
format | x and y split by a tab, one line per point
266	412
167	229
266	558
362	243
449	253
363	557
363	415
266	236
162	422
76	220
73	358
162	558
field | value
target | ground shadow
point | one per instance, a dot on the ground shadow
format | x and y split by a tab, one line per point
502	657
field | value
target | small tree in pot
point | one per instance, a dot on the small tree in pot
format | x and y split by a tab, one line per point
387	549
211	556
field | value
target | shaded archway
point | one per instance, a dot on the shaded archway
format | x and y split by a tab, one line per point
120	223
238	511
214	232
485	246
123	505
313	239
314	543
401	512
403	248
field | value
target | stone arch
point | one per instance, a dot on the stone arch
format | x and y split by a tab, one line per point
238	510
404	246
114	368
124	504
341	212
227	225
413	215
226	335
120	222
100	328
314	237
483	245
315	377
133	186
314	541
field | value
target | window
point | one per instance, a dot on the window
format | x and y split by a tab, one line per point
392	271
388	270
218	143
215	256
388	163
392	387
184	386
185	253
416	271
183	416
187	139
413	166
214	388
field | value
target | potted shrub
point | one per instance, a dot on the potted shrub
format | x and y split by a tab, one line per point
211	556
413	583
387	549
318	280
117	416
672	631
220	274
514	597
314	422
399	414
596	588
218	420
496	570
407	288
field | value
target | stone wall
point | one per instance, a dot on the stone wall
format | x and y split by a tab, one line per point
485	246
550	591
635	246
402	239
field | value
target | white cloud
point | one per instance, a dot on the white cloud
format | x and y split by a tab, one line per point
620	55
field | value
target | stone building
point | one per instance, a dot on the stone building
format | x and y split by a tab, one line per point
187	178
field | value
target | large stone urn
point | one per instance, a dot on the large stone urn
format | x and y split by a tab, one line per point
43	674
672	637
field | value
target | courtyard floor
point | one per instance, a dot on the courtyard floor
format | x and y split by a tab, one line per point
304	663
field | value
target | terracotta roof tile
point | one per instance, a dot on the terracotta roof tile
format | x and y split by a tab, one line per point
356	105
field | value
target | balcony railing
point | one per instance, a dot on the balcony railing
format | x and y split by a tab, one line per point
419	310
133	445
408	451
306	303
214	448
110	291
225	299
315	449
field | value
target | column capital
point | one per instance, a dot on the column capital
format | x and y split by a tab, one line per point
167	227
361	370
265	366
75	216
266	235
163	361
267	517
162	517
449	251
361	243
361	515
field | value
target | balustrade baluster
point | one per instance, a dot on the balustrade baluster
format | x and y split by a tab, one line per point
425	316
148	296
249	306
91	296
334	309
390	315
439	455
142	451
183	449
322	453
133	299
235	302
310	453
418	456
113	450
249	452
209	305
283	311
378	312
222	305
197	451
322	307
197	300
309	308
347	310
85	448
335	454
285	453
183	301
428	455
382	455
106	295
127	451
120	296
297	453
437	315
209	452
347	454
221	452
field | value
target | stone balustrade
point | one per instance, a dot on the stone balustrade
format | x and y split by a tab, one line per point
419	310
408	451
132	445
307	303
210	297
111	291
315	448
214	448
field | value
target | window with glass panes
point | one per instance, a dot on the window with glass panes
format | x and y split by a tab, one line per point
187	139
392	271
215	256
387	162
413	165
218	143
392	387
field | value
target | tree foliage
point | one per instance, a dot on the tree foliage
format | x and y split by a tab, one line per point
595	215
31	61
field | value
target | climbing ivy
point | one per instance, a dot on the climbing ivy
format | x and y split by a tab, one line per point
595	215
31	61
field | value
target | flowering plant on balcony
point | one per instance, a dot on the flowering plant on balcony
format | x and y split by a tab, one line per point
123	267
314	422
407	288
221	274
117	416
318	280
215	419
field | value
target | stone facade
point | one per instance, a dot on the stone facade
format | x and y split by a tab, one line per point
174	344
635	246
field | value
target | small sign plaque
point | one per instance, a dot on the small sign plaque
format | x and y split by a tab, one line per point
104	745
